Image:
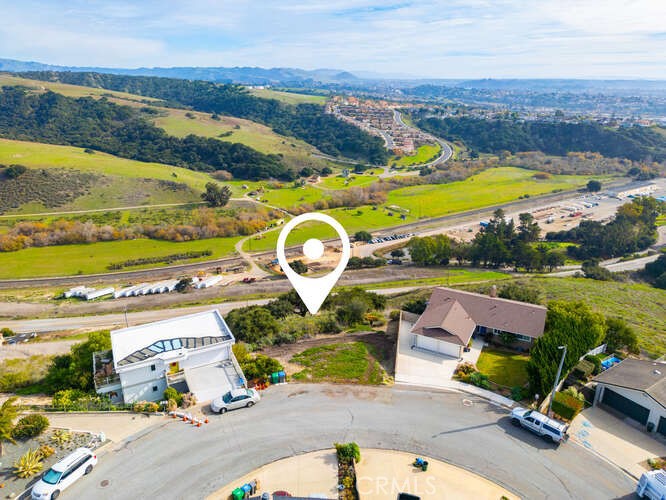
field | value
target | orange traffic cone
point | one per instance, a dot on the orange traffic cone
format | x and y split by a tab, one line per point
206	421
198	424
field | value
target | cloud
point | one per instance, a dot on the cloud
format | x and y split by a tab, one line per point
437	38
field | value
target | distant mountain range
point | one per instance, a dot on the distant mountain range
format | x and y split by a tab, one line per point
340	78
245	75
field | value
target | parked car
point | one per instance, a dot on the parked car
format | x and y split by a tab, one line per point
63	474
652	485
540	424
237	398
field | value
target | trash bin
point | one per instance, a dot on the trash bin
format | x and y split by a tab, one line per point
274	378
238	494
282	377
424	466
247	488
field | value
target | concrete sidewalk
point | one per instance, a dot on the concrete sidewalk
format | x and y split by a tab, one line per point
616	441
116	426
301	475
382	474
417	367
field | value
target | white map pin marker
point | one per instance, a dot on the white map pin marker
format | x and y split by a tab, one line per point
313	291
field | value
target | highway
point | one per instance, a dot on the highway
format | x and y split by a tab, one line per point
173	460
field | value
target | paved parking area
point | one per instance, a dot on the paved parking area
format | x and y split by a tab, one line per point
615	440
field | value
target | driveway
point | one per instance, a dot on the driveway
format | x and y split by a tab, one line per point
175	460
615	440
418	367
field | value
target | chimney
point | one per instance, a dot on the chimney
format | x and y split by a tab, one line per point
493	291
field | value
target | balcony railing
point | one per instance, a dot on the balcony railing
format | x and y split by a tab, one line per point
104	380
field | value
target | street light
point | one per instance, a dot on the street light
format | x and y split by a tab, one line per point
557	377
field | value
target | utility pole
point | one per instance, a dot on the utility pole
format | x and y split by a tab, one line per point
126	323
557	377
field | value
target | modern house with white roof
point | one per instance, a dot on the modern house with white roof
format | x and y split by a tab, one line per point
191	353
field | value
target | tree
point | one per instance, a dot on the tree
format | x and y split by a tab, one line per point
9	411
253	324
572	324
216	195
362	236
619	335
528	229
397	253
593	186
14	171
352	313
326	171
7	332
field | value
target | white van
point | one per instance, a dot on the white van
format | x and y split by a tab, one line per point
64	473
652	485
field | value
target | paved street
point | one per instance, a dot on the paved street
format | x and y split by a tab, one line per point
176	460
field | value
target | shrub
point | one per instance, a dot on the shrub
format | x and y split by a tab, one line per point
518	393
583	369
596	361
6	332
30	426
348	452
171	393
46	451
465	368
67	399
480	380
151	407
172	405
139	406
189	400
29	464
394	315
566	405
575	393
61	437
260	366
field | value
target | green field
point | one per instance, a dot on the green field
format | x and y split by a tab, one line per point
67	260
490	187
37	155
505	368
288	97
339	363
424	154
355	180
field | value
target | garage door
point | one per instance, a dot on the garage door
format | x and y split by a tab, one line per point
661	428
438	346
625	406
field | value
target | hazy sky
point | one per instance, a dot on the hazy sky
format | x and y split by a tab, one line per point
444	39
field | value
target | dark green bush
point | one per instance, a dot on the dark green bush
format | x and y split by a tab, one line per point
567	406
480	380
171	393
30	426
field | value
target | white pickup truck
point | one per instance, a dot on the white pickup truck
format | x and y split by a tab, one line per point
547	428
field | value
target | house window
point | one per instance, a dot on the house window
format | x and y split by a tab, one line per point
154	388
524	338
152	368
